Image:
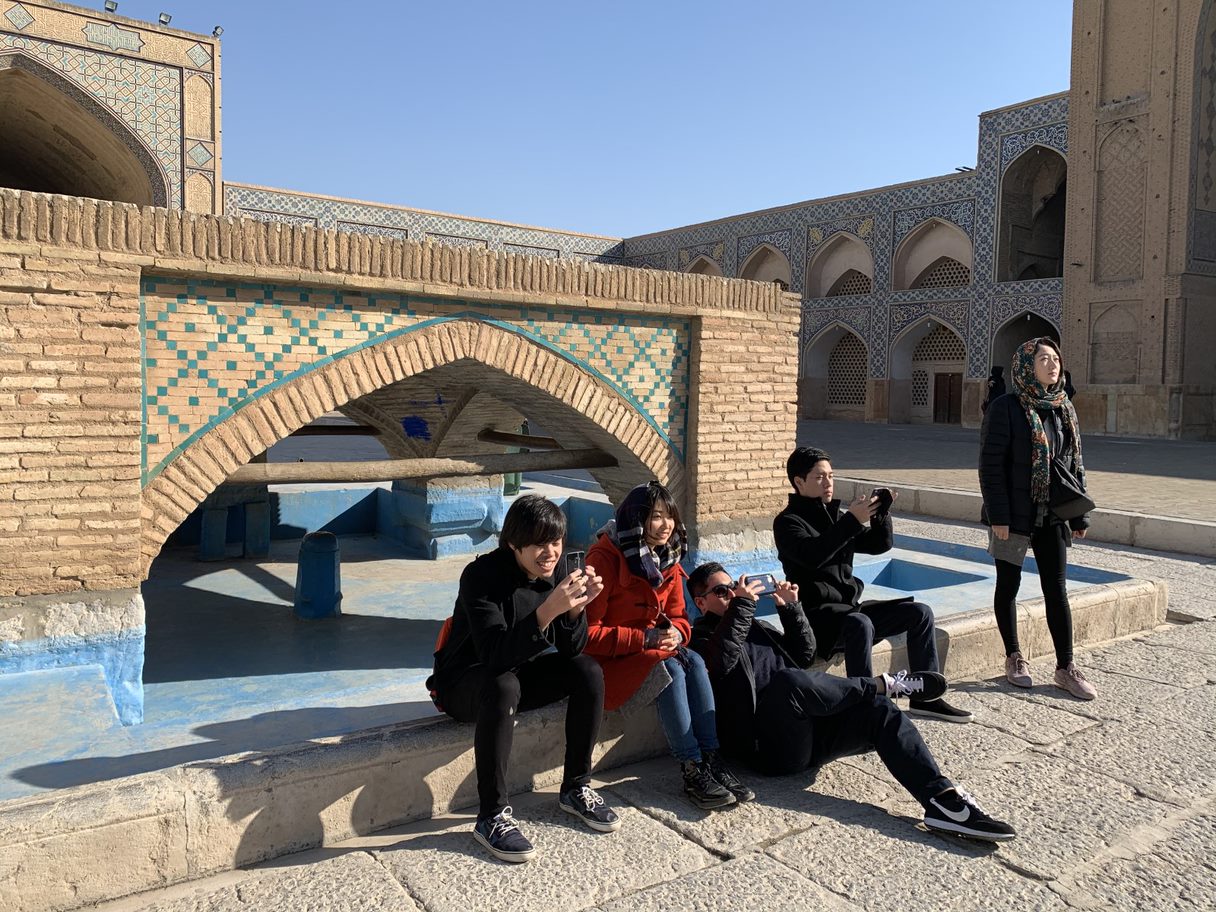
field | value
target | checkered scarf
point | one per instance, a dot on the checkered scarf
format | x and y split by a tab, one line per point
628	532
1034	396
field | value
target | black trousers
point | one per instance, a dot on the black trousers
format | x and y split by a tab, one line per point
805	719
492	701
860	629
1050	545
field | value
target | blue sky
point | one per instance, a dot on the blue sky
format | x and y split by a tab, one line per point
618	118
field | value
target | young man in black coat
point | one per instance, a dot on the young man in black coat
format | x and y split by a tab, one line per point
816	541
781	718
516	644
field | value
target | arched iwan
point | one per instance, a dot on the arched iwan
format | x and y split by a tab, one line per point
595	411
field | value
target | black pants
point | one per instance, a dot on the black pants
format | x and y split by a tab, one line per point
493	700
1050	545
805	719
874	621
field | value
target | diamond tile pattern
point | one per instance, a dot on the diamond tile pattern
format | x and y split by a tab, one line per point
19	16
211	348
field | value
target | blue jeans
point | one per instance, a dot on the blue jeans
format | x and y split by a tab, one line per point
686	708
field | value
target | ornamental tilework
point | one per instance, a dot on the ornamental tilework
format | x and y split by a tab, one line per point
714	250
18	16
147	97
391	221
960	213
884	217
778	239
952	313
212	348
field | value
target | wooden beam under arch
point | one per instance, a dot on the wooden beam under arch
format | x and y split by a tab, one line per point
489	435
393	469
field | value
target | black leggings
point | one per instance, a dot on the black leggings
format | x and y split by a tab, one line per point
1050	546
493	700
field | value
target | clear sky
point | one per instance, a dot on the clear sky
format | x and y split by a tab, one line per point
615	118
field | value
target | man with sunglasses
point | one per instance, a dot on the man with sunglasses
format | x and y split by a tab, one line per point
781	718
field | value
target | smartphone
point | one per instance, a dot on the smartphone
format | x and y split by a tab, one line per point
885	499
571	561
767	582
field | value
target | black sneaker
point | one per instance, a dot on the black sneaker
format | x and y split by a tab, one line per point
956	812
702	788
724	777
924	686
939	709
501	836
583	801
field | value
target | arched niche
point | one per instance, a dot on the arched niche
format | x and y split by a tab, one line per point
927	365
1030	240
703	265
828	271
767	264
835	369
934	252
57	139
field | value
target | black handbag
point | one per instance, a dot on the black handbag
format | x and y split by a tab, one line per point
1067	498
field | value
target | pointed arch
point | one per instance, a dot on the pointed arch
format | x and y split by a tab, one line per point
836	368
580	408
920	353
842	254
703	265
931	244
1031	203
766	264
58	139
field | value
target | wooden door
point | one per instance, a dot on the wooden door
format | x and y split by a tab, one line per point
948	398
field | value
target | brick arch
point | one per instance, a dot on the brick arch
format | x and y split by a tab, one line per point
600	413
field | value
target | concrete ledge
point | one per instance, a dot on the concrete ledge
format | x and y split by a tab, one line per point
83	845
1120	527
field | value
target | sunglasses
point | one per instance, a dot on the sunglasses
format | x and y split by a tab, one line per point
722	591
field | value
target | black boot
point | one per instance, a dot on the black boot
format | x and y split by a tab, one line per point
702	788
724	777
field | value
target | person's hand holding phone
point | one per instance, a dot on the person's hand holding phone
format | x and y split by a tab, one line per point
595	583
748	588
864	508
786	593
663	636
569	596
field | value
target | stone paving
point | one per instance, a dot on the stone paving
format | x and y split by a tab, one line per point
1161	478
1114	801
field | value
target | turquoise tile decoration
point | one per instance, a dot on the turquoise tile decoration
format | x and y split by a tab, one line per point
256	338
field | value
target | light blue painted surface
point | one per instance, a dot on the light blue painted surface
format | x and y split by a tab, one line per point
228	667
118	656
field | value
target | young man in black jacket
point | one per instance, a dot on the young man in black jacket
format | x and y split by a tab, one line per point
781	718
516	644
816	541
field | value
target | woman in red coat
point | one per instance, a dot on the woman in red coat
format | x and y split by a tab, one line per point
638	628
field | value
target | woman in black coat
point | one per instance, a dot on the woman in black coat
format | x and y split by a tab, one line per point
1024	432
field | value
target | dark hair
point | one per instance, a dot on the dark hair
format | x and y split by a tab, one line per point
802	460
654	493
532	520
1051	343
698	580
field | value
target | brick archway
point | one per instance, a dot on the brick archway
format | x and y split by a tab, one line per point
592	407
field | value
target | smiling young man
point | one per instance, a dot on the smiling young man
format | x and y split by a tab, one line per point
816	538
516	644
780	718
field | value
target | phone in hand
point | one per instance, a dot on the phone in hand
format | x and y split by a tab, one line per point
885	499
570	561
767	582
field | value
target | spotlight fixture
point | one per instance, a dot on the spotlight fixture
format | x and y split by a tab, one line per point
164	18
111	6
217	31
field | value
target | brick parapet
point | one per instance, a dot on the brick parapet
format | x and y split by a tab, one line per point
169	241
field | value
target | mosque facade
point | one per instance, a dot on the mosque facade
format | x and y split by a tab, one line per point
1089	216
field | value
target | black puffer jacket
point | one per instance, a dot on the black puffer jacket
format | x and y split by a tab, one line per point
816	543
741	655
1005	463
